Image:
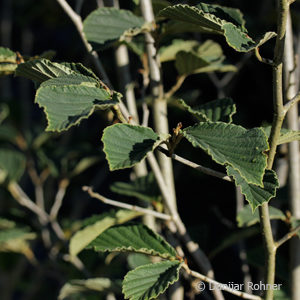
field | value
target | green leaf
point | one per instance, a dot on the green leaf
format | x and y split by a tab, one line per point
286	135
16	240
71	79
149	281
143	188
12	234
80	69
106	25
6	224
207	57
12	164
158	5
228	14
77	287
168	53
137	259
217	110
133	238
70	99
8	61
246	217
232	145
219	20
126	145
254	194
281	295
96	225
40	70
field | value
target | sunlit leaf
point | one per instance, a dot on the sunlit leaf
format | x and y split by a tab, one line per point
106	25
219	20
77	287
17	240
232	145
40	70
8	61
96	225
133	238
207	57
70	99
217	110
168	53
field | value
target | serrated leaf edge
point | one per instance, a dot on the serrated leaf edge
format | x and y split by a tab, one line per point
167	286
225	164
160	139
151	252
251	205
44	108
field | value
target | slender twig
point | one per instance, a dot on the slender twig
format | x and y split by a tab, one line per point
25	201
76	19
291	103
40	201
291	68
126	205
270	249
175	87
116	109
193	248
160	111
59	198
288	236
261	59
146	114
196	166
219	285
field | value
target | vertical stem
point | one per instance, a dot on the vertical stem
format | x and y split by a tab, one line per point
126	85
160	113
291	85
270	249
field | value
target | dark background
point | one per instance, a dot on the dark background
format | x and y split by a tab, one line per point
207	205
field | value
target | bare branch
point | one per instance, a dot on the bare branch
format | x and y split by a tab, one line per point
291	103
218	285
76	19
288	236
196	166
125	205
146	113
25	201
198	255
175	87
59	198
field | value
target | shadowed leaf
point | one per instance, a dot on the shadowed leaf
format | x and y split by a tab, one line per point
149	281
